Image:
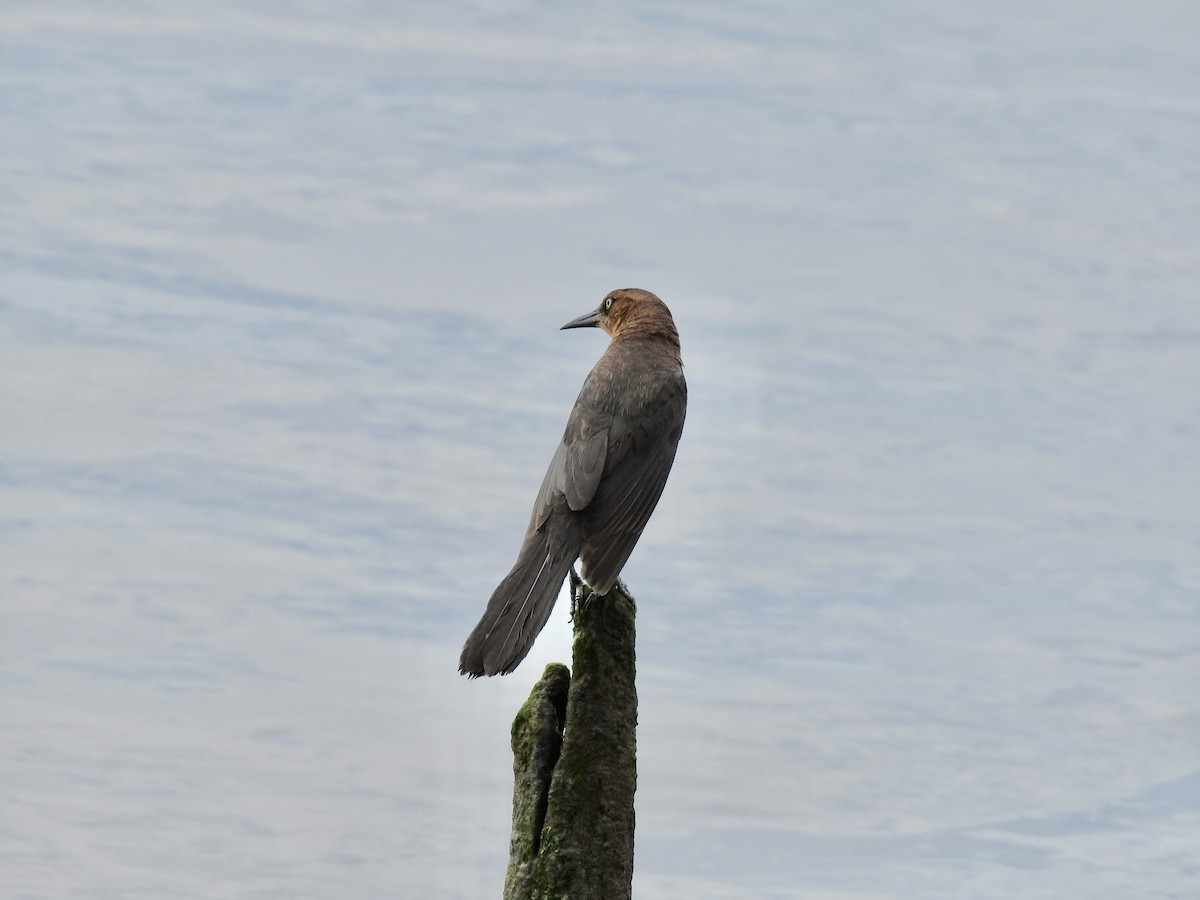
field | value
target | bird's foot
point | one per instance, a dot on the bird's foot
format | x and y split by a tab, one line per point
580	593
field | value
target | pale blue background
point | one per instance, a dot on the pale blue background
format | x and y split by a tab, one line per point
280	371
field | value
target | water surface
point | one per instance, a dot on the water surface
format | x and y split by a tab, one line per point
279	291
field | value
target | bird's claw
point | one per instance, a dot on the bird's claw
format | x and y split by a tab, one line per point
576	592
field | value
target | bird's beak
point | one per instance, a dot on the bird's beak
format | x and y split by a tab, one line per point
590	320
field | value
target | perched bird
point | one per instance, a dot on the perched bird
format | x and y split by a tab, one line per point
603	482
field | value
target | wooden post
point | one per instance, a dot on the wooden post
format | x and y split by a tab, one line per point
575	765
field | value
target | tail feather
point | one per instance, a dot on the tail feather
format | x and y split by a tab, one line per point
521	604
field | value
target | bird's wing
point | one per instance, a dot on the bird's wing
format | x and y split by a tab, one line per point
639	459
575	469
586	453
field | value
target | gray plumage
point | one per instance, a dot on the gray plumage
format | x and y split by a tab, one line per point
603	482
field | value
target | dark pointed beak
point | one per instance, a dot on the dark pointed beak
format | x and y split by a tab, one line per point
590	320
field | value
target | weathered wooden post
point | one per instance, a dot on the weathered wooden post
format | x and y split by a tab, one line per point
575	765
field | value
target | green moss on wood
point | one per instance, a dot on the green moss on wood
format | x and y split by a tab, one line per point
573	816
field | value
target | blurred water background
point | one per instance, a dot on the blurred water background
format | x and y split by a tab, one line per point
280	371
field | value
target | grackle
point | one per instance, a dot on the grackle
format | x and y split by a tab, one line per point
603	482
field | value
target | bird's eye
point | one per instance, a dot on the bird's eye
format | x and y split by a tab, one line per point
607	303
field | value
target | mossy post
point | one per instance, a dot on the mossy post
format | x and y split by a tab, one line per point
575	765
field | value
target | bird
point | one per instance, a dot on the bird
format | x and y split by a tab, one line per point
603	482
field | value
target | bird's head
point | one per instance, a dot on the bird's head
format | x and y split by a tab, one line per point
632	312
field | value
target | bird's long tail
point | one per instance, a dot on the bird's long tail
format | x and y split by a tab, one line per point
521	604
